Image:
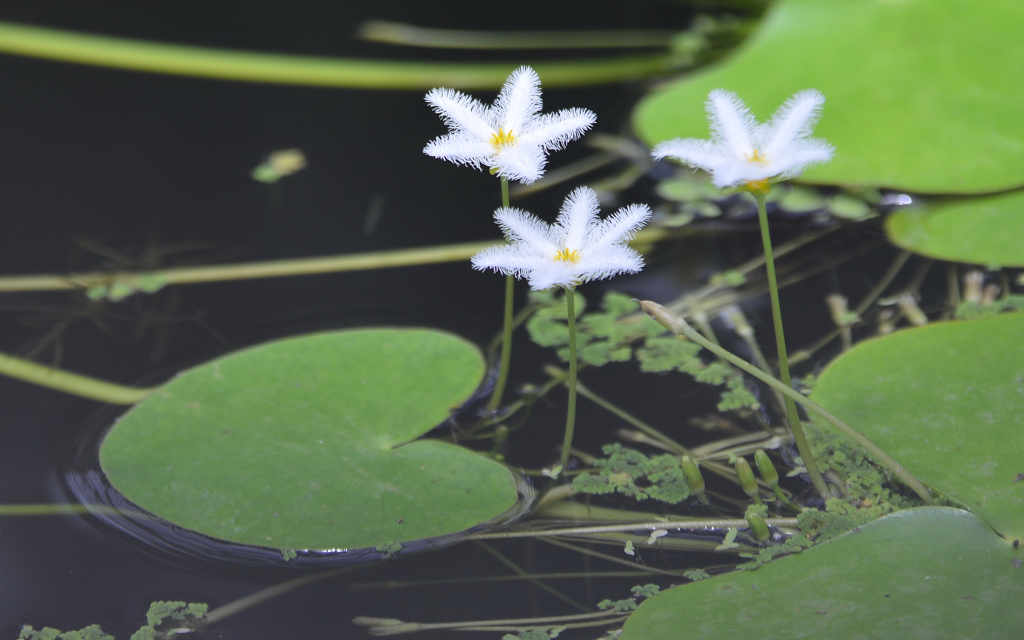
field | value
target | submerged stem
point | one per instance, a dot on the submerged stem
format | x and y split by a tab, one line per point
780	343
399	33
570	415
275	268
676	324
72	383
253	66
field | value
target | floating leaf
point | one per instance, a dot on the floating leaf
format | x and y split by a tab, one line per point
917	100
984	231
931	572
947	401
310	443
802	200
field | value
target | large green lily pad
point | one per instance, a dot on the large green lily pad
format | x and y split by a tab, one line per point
919	92
932	572
947	401
985	231
307	443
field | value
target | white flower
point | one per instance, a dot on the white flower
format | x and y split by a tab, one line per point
577	248
511	138
744	152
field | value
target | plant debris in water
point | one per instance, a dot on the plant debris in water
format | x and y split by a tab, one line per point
163	619
660	478
617	334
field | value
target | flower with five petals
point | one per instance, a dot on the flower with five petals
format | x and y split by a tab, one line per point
511	137
748	154
579	247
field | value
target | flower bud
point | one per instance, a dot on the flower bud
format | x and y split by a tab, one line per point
766	468
694	479
758	527
747	481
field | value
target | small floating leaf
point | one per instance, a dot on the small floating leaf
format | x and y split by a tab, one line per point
310	443
931	572
985	231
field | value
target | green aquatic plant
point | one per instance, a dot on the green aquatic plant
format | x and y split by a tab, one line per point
616	333
661	477
163	620
577	248
749	156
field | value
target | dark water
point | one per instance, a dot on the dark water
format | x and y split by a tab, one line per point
132	162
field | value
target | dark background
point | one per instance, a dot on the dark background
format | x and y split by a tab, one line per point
101	168
94	157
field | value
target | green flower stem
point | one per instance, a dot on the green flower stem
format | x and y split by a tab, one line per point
251	66
677	325
780	343
72	383
507	326
570	415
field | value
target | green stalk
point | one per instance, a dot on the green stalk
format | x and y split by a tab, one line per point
72	383
508	325
408	35
252	66
677	325
780	343
273	268
570	416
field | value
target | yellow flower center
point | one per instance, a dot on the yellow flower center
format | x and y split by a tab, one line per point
757	157
760	187
566	255
502	139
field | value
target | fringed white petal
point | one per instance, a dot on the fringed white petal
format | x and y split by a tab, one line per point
552	131
794	120
519	101
553	274
461	112
703	154
732	172
528	233
618	228
523	163
609	262
732	124
798	157
577	248
577	217
509	260
459	148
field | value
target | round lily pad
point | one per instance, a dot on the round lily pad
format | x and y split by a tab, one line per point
917	90
311	443
985	231
947	401
933	572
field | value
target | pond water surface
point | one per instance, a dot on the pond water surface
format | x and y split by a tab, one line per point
107	169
